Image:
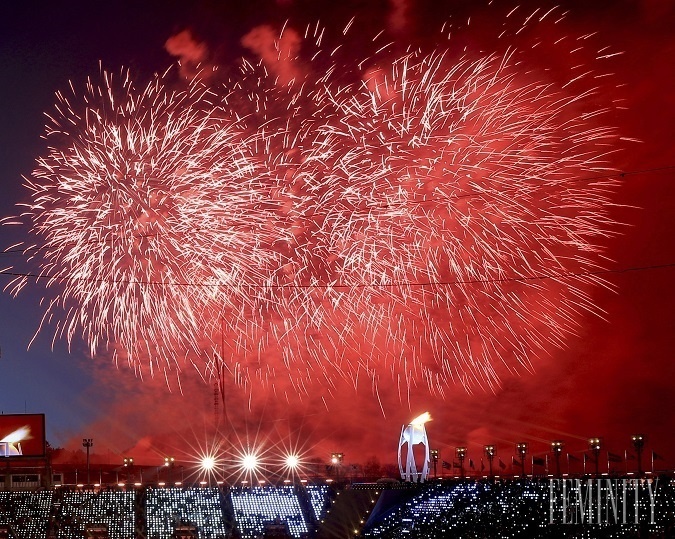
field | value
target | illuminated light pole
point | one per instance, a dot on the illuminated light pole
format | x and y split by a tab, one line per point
292	463
521	450
556	448
639	444
336	460
434	459
595	444
169	462
460	453
87	443
249	463
207	466
489	451
128	463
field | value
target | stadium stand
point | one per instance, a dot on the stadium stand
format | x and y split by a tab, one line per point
256	507
26	512
437	509
112	508
318	499
168	508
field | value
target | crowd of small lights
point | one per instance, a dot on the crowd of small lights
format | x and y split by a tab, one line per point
318	497
208	509
201	507
27	512
112	508
505	509
255	507
418	216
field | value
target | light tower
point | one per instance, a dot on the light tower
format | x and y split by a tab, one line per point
87	443
521	449
594	444
460	453
489	451
556	449
639	444
128	463
336	461
169	462
434	459
414	433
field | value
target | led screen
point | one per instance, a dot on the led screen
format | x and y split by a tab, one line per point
22	435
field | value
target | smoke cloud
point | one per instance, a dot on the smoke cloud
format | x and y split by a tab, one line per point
190	52
279	54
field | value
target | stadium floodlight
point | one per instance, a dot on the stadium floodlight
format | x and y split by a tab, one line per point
521	449
250	462
460	453
639	444
556	448
208	463
292	461
128	463
87	443
169	462
434	459
595	444
490	452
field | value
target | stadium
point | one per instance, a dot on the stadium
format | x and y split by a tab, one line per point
448	508
244	243
246	498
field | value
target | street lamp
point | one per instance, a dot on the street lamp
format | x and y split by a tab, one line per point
434	459
489	451
595	444
87	443
521	450
460	453
556	448
638	443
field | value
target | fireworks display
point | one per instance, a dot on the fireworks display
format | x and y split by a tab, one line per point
426	219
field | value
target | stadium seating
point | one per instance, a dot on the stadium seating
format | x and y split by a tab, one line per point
201	507
257	506
318	498
438	509
26	512
110	507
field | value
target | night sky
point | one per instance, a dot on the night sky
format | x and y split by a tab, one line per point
613	378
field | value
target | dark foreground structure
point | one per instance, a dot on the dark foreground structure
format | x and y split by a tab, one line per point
583	508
